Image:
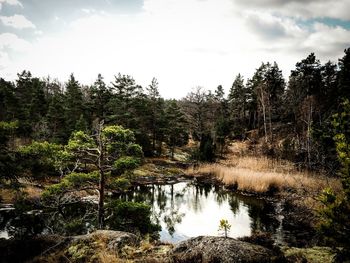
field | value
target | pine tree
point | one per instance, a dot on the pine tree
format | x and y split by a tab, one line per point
56	119
237	100
344	76
155	111
74	105
176	133
122	103
99	96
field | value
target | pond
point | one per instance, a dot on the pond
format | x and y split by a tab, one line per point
189	209
183	210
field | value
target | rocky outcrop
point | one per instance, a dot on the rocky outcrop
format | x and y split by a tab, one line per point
40	247
206	249
114	240
117	246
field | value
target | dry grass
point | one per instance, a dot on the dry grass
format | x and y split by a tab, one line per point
7	195
33	192
261	174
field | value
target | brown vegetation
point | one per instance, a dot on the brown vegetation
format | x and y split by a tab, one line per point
261	174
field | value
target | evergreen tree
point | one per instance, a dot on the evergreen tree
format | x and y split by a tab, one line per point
275	85
222	120
122	102
56	118
176	133
237	99
8	101
155	111
23	93
344	76
8	163
335	224
99	96
111	150
74	105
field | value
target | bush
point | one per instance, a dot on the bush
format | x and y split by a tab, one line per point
132	217
335	224
126	163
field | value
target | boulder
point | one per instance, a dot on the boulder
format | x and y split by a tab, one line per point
207	249
115	240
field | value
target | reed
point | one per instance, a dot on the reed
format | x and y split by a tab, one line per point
261	175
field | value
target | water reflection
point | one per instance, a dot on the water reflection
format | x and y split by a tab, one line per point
188	209
183	210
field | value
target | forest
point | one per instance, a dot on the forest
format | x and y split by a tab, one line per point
74	157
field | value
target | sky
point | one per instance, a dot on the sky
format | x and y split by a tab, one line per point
182	43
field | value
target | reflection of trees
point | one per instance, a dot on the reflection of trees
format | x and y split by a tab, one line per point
196	199
220	196
172	215
262	217
234	204
198	191
205	189
161	197
166	201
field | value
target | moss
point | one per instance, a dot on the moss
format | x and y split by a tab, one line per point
173	171
149	169
79	252
312	255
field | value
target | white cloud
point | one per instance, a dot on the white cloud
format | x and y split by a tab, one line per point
13	42
4	60
328	40
11	2
88	11
301	8
17	21
38	32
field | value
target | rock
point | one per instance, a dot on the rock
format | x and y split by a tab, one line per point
115	240
206	249
22	250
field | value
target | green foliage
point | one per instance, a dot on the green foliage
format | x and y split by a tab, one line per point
74	105
44	158
224	226
120	184
134	149
206	149
72	182
126	163
8	159
176	126
6	129
131	216
335	224
107	152
80	140
75	226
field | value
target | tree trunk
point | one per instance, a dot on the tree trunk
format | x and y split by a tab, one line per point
309	126
101	200
172	152
102	177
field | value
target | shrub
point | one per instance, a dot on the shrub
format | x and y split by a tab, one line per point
131	216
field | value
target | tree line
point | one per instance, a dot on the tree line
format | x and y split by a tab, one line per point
292	117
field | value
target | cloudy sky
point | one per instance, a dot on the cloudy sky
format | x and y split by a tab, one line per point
183	43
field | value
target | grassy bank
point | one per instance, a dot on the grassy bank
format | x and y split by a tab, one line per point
258	174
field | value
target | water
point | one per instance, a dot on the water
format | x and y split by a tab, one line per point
188	209
183	210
